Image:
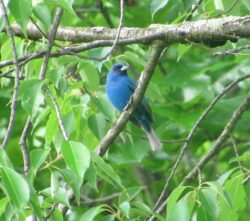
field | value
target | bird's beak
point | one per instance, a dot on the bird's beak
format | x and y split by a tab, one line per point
124	68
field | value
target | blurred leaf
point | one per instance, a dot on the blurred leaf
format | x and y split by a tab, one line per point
3	203
218	4
236	191
209	204
91	175
182	49
107	169
182	210
173	199
65	4
60	196
90	76
91	213
31	96
42	12
37	158
56	215
156	5
4	159
54	183
77	157
73	182
16	187
247	4
97	124
124	208
20	13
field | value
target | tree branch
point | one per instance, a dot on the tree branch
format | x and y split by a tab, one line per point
212	31
59	116
16	84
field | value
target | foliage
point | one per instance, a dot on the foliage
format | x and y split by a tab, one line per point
127	181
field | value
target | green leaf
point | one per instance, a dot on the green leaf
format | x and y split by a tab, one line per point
182	210
208	200
129	194
97	124
90	76
174	196
3	203
4	159
31	96
247	4
222	179
91	175
156	5
236	191
107	169
66	4
56	215
90	214
54	183
43	14
37	158
77	157
16	187
124	208
73	182
60	196
21	11
182	49
218	4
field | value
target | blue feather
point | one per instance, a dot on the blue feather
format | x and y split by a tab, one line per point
119	88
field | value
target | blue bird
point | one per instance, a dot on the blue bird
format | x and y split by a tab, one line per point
119	88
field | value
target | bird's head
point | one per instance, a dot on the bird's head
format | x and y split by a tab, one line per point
118	70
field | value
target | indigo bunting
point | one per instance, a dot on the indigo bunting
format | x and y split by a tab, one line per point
119	88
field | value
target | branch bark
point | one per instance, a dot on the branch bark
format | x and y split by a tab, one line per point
212	31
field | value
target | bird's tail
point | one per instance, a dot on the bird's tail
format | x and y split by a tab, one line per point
154	141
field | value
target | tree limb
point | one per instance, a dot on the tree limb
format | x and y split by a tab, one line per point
212	31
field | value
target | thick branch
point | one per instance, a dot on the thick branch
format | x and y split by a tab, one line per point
140	90
212	31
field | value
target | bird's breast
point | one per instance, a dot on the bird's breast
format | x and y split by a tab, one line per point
118	92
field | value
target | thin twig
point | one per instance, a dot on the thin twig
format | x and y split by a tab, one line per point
231	51
194	8
16	84
229	9
56	23
118	31
88	200
189	137
59	115
236	152
22	142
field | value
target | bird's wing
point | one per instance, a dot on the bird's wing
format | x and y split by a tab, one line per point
144	102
